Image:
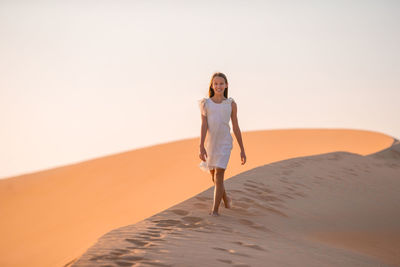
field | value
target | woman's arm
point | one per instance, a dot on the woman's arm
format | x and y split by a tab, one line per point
237	132
204	127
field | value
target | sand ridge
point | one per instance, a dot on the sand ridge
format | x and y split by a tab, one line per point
296	212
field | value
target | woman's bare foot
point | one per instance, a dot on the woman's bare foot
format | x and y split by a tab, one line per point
228	204
213	213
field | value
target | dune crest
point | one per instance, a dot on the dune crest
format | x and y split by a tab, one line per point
333	209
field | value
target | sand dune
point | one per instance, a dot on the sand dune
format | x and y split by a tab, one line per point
334	209
50	218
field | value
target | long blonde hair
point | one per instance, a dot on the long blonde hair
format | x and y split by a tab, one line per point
211	90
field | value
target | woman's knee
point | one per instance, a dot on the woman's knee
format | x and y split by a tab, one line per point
219	176
220	171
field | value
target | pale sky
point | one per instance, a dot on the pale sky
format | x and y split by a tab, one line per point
86	79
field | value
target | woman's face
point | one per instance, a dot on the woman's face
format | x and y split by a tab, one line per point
219	85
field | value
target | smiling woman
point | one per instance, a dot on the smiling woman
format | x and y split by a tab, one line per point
216	111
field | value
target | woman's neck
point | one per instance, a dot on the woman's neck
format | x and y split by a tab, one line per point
218	97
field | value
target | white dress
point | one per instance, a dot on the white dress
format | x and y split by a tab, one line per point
218	143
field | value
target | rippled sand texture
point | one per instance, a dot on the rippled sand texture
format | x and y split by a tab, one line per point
334	209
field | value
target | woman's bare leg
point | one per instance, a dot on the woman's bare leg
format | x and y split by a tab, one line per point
218	190
225	198
212	175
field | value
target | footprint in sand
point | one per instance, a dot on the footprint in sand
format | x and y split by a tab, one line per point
267	190
257	188
242	211
119	251
203	198
192	222
131	258
169	222
186	222
286	195
300	194
254	182
180	212
236	191
287	172
154	231
153	228
303	185
127	260
151	234
246	222
246	199
270	198
258	192
225	261
253	246
123	263
136	242
254	225
251	185
284	180
270	209
231	251
148	238
154	263
241	204
200	205
234	265
192	219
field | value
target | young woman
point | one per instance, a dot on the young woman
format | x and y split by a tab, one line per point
216	111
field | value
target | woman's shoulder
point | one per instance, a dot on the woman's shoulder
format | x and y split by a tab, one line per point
231	100
203	106
202	100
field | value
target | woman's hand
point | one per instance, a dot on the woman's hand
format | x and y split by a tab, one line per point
203	153
243	157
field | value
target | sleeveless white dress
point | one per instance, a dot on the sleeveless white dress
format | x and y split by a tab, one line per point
218	143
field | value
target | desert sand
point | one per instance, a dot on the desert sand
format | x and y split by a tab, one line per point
334	209
308	196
